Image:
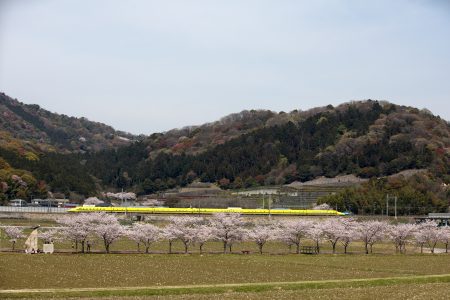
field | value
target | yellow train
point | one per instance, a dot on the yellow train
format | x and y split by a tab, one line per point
206	211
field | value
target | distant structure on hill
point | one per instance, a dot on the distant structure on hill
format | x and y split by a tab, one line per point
301	194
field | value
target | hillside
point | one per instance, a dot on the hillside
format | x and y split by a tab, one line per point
33	142
25	127
365	138
197	139
369	139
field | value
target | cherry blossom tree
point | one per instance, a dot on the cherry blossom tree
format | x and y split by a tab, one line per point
293	231
371	232
133	235
400	234
237	236
227	229
420	238
445	236
77	228
347	232
170	234
323	206
315	233
332	229
49	236
13	233
261	234
93	201
428	233
108	228
145	234
185	229
203	234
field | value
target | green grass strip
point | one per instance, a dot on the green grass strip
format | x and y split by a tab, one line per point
221	288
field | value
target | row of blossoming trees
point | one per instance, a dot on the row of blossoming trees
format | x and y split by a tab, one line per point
229	229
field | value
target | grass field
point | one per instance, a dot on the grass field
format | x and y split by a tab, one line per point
253	275
275	274
401	291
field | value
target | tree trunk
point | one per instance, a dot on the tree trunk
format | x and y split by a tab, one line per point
297	248
334	247
146	248
185	248
224	247
446	248
432	248
371	248
260	248
317	245
170	247
345	249
231	245
201	246
421	249
107	247
13	245
367	248
82	246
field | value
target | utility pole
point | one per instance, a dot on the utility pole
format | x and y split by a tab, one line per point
395	205
387	205
270	202
263	200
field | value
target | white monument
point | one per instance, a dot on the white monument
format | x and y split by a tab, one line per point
31	244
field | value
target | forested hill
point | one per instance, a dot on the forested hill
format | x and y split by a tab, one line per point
30	128
197	139
367	138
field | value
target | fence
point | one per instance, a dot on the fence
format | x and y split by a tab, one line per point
33	209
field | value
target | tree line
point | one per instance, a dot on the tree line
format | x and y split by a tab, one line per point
84	229
416	195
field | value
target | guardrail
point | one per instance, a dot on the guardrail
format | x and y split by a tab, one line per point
33	209
439	215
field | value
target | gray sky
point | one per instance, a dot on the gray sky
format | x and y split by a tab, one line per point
149	66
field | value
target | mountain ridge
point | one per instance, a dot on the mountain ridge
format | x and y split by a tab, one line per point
257	147
43	131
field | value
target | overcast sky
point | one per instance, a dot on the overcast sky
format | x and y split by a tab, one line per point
149	66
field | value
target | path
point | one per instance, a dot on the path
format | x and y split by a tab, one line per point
255	287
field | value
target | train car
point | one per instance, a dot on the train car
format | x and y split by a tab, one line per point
206	211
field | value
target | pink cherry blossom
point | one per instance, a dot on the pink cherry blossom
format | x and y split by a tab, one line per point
145	234
371	232
13	233
227	229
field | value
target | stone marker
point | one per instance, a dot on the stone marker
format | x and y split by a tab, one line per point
48	248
